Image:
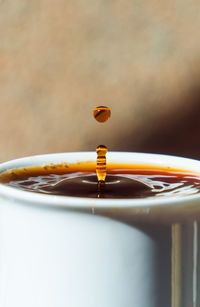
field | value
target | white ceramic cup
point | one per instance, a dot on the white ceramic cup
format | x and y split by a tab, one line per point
58	251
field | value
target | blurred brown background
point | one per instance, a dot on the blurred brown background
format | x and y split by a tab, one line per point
59	59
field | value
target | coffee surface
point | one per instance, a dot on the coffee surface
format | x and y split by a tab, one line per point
122	181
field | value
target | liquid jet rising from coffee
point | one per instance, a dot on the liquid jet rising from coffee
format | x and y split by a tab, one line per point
101	114
101	169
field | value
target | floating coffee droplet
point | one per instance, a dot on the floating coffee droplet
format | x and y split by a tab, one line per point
101	168
102	114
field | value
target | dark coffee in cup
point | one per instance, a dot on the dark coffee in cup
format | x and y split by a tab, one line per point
122	181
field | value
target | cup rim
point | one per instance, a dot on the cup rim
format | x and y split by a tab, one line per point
82	203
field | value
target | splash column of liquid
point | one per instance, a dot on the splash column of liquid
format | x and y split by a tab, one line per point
101	168
101	114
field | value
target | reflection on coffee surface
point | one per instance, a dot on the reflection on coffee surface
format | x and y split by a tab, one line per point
122	181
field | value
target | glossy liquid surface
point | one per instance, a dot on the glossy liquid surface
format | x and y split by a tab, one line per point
122	181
